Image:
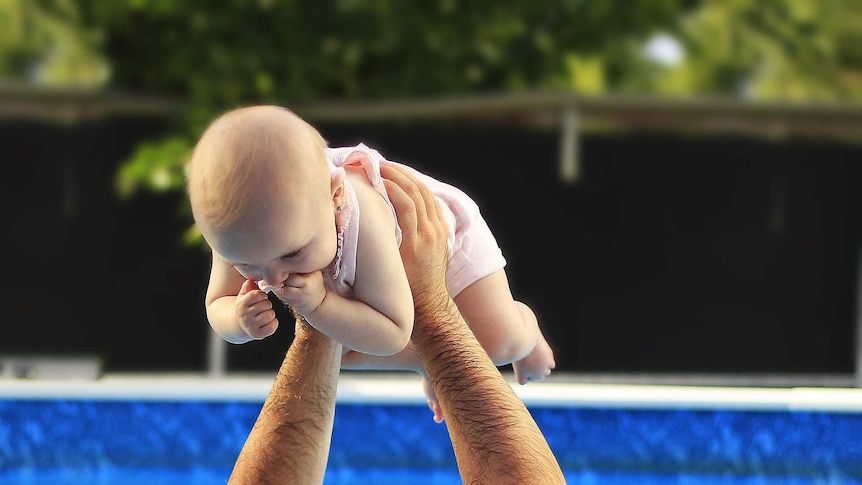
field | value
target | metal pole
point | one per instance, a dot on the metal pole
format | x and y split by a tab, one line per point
216	355
569	138
858	373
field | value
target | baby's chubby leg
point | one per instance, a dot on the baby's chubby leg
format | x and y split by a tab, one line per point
537	364
404	360
506	328
407	359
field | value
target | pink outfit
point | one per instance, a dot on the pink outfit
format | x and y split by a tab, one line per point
473	250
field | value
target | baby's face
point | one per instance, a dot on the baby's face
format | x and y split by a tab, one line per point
297	236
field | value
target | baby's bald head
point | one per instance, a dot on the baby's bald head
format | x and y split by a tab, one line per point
249	158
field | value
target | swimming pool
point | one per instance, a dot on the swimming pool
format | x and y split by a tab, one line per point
189	429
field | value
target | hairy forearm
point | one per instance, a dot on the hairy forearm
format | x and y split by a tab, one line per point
290	440
494	437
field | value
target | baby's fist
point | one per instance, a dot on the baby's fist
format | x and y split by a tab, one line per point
254	311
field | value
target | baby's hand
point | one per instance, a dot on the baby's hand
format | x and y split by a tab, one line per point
254	311
303	292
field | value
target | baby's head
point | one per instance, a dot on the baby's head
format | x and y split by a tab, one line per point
252	155
255	174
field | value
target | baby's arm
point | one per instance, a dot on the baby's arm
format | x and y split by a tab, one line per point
230	295
379	320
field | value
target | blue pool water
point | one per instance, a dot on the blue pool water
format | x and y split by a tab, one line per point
80	441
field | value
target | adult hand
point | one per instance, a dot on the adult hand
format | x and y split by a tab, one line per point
424	247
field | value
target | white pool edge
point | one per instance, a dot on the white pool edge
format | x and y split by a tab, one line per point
407	389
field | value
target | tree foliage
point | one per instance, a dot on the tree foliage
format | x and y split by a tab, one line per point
287	50
221	54
782	50
48	43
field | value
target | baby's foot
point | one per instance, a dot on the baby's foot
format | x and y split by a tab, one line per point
432	400
537	364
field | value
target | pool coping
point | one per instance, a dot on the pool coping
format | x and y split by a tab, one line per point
405	388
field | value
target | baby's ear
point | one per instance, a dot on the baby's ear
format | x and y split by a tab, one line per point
337	188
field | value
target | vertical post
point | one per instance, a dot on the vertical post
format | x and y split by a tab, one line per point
216	355
858	353
569	145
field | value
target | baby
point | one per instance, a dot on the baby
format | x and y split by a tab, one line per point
285	213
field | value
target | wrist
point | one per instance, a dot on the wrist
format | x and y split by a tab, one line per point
435	312
303	330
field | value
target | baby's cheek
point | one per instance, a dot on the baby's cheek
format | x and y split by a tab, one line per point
279	293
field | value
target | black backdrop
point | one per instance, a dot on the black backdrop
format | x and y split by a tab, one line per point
671	253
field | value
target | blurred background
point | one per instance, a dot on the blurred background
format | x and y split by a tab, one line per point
673	182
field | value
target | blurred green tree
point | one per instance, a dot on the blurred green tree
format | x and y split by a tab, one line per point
786	50
221	55
216	55
46	42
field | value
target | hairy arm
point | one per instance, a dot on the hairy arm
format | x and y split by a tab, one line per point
493	434
290	440
494	437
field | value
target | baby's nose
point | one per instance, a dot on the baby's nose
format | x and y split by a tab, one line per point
275	278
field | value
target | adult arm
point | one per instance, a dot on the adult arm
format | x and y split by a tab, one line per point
494	436
290	440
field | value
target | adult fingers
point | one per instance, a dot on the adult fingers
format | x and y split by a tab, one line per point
424	246
421	199
403	194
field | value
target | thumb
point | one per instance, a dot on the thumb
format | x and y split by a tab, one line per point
248	286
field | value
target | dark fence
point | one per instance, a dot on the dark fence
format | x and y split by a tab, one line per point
669	254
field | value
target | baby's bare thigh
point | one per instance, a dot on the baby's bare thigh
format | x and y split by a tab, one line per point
489	308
